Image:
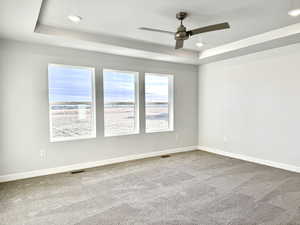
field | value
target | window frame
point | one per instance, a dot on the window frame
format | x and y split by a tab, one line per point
93	105
170	103
136	100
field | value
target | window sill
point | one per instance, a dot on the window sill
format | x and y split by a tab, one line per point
118	135
159	131
71	139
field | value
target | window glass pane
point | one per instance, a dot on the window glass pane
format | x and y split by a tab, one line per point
120	103
157	102
71	102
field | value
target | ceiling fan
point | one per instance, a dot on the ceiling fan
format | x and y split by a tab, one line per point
182	34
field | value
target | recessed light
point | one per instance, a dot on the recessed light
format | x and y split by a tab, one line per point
74	18
199	44
294	12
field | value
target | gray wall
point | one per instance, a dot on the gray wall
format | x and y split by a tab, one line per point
250	105
24	126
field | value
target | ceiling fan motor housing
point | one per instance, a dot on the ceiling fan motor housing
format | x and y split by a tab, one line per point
181	33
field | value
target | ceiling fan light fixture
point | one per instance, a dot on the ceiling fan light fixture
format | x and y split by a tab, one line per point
294	12
74	18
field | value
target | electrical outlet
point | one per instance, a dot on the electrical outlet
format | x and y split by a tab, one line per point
43	153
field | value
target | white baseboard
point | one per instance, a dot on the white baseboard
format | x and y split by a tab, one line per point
251	159
86	165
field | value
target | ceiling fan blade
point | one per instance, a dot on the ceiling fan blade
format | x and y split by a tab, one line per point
156	30
179	44
220	26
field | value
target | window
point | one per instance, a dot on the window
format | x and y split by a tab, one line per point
159	102
71	102
120	102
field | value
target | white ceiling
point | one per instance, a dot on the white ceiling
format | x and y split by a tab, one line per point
110	26
123	18
18	18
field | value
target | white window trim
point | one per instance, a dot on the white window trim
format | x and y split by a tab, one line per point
93	105
136	99
170	102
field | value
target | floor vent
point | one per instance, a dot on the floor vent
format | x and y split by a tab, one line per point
165	156
77	171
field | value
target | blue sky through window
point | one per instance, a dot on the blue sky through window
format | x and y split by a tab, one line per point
69	84
156	88
118	86
75	85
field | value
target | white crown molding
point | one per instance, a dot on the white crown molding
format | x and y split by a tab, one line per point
86	165
115	45
127	47
283	166
273	39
